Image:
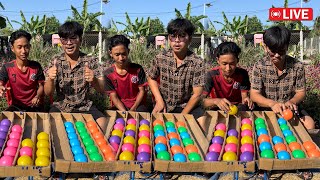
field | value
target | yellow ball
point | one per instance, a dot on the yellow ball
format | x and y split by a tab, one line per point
43	152
42	161
232	139
126	156
131	127
116	132
220	133
144	127
144	140
246	127
229	156
129	139
43	144
233	110
25	161
27	142
43	136
246	140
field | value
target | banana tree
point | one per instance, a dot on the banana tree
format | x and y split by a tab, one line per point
35	26
2	19
136	29
212	31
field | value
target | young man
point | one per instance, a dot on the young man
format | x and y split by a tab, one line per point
22	79
181	73
72	73
124	81
278	80
227	84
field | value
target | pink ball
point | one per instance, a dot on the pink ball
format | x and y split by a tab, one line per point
131	121
230	147
115	146
13	143
144	133
246	121
246	132
247	147
215	148
10	151
6	160
144	148
127	147
16	128
221	126
15	135
119	126
26	151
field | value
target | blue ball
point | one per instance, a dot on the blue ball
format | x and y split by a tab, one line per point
159	133
262	131
80	158
179	157
283	155
265	146
174	142
77	150
74	142
277	139
184	135
72	136
68	124
282	121
287	132
70	129
171	129
160	147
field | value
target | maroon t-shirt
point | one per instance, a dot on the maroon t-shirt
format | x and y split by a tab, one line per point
24	85
126	86
217	87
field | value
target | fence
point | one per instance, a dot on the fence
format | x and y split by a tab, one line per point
311	45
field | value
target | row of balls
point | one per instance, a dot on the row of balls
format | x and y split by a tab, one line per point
74	142
144	148
216	143
4	128
11	146
247	149
265	147
161	148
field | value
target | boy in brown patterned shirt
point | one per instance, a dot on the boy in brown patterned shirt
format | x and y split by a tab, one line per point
181	74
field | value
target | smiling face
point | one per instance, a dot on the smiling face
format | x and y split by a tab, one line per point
228	64
21	48
71	45
119	54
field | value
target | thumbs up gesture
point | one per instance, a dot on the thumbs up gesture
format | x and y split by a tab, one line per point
88	73
53	70
3	89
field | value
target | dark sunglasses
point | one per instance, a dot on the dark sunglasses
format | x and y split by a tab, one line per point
73	40
181	37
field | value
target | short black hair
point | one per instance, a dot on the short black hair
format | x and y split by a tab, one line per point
18	34
70	29
119	40
228	48
180	26
277	38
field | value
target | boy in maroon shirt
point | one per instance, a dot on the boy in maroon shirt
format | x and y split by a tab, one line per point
22	79
124	81
227	84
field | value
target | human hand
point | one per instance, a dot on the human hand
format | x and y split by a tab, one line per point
88	73
160	106
35	101
223	104
52	72
248	102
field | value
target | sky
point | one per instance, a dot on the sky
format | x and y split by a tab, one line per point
163	9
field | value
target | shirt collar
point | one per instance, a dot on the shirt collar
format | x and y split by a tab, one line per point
187	58
287	64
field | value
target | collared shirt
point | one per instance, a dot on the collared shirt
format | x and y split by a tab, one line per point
71	86
280	88
176	83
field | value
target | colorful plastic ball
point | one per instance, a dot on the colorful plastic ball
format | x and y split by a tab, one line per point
100	142
25	161
184	135
43	143
143	157
246	126
217	139
284	127
131	133
144	140
85	135
219	133
215	148
159	133
232	139
92	130
91	124
287	133
13	143
116	132
160	147
129	139
182	129
158	127
174	142
180	124
187	141
229	156
70	130
144	127
259	121
6	160
15	135
277	139
309	145
246	121
157	122
110	156
120	121
267	154
179	157
87	141
4	129
160	139
5	122
114	139
246	140
79	124
127	147
132	121
246	133
290	139
221	126
282	121
287	114
3	135
265	146
42	152
163	155
169	124
115	146
92	149
246	156
10	151
263	138
16	128
144	133
144	148
27	142
144	121
233	132
262	131
26	151
294	145
119	127
77	150
260	126
171	129
280	147
230	147
106	148
176	149
95	157
298	154
212	156
283	155
313	153
194	157
191	148
42	161
233	110
131	127
247	147
72	136
173	135
80	158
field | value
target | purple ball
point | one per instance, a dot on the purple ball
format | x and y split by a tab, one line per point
1	143
4	128
114	139
246	156
3	135
130	133
120	121
5	122
233	132
143	157
212	156
144	121
217	140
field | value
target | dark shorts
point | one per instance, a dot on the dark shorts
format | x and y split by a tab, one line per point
196	112
93	111
24	109
141	108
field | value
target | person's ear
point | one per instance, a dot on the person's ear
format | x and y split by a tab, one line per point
12	49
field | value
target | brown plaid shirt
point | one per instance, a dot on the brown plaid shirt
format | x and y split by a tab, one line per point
176	83
72	89
281	88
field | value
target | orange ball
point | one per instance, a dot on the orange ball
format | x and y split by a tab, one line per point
191	148
160	139
157	121
91	124
173	135
176	149
93	130
280	147
105	149
180	124
309	145
263	138
294	145
98	135
313	153
110	156
101	142
287	114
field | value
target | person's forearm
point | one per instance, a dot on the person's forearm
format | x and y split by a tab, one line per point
98	85
40	91
298	98
153	84
193	101
209	102
116	101
49	87
261	101
244	95
139	99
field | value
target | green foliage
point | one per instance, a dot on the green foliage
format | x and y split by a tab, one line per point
212	31
316	27
2	19
250	54
36	26
156	27
136	29
254	25
52	25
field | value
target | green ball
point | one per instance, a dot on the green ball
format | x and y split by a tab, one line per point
79	124
261	126
87	141
170	124
92	149
187	141
96	157
291	139
284	127
82	130
163	155
182	129
299	154
194	157
259	121
84	135
158	127
267	154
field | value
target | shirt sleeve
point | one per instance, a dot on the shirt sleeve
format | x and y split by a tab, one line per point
154	70
256	78
245	85
40	75
199	75
300	79
208	84
4	74
108	85
142	77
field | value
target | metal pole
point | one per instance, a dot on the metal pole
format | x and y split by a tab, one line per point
301	38
100	34
202	34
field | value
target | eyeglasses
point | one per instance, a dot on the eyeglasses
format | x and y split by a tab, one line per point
73	40
280	52
182	38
